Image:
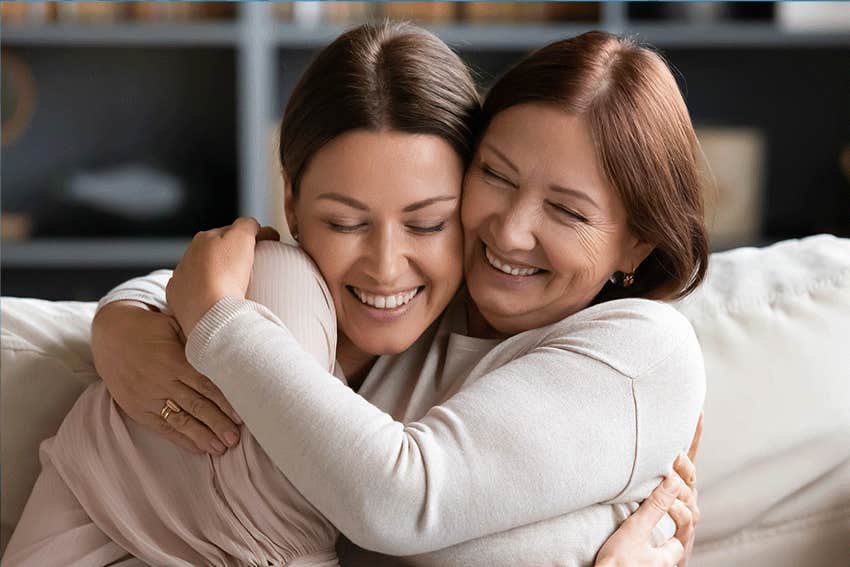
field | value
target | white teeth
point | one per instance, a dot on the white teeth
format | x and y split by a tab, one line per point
386	301
507	268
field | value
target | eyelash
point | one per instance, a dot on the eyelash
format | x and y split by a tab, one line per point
347	229
568	212
490	173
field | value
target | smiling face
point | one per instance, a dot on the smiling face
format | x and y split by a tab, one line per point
379	213
543	229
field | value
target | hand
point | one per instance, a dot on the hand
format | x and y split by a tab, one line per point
631	545
217	264
140	356
677	495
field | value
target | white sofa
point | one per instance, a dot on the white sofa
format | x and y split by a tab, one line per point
774	466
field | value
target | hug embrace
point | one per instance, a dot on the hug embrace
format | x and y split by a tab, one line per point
465	359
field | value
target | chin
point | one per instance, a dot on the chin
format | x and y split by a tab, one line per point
384	345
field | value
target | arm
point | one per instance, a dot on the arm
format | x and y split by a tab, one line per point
543	435
139	353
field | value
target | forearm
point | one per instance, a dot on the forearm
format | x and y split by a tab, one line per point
481	463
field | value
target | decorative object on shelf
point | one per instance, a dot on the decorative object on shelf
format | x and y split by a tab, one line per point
18	94
813	16
735	166
844	162
135	192
15	226
307	14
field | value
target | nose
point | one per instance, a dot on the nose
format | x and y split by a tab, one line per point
513	228
388	256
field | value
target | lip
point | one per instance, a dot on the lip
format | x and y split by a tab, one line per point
501	258
502	279
385	315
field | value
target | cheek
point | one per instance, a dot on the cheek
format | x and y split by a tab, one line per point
580	252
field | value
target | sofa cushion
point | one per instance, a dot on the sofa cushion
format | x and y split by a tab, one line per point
45	363
774	324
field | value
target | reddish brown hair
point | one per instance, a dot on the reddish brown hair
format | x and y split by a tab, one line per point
645	144
388	76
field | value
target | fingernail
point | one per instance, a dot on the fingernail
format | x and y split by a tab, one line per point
231	438
217	446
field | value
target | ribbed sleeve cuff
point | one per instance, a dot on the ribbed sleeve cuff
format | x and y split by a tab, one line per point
219	315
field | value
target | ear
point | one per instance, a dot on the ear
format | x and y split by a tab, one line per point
635	253
289	205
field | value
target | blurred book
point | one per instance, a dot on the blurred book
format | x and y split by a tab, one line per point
524	12
282	11
734	162
421	12
346	12
89	12
27	12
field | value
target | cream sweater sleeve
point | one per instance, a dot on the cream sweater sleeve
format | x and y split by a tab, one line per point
598	405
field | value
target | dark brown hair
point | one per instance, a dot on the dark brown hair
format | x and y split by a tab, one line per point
645	144
388	76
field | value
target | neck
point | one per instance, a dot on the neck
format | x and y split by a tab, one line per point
355	363
477	326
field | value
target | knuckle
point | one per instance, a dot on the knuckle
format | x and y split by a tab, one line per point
197	406
179	420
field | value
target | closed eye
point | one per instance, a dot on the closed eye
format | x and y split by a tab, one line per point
346	228
427	229
562	210
492	175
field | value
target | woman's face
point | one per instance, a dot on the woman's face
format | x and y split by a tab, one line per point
543	229
379	212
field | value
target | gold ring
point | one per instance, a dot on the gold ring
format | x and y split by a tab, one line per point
169	408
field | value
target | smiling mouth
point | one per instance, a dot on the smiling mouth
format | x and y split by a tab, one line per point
385	301
510	269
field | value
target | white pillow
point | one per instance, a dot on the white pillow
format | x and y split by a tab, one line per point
45	363
774	325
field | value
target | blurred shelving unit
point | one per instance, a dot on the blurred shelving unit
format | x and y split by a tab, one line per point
234	73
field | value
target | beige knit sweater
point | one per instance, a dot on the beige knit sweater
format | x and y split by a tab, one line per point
465	451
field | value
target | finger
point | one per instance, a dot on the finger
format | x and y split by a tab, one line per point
201	435
692	451
681	514
672	552
205	387
246	225
159	425
207	413
656	505
268	233
685	469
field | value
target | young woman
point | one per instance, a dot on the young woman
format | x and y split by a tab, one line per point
419	275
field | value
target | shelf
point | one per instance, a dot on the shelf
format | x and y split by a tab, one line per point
122	34
522	37
92	253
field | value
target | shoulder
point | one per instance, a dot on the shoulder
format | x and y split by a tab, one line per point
633	336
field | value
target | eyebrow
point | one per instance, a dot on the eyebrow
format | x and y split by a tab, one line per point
575	193
355	204
503	157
